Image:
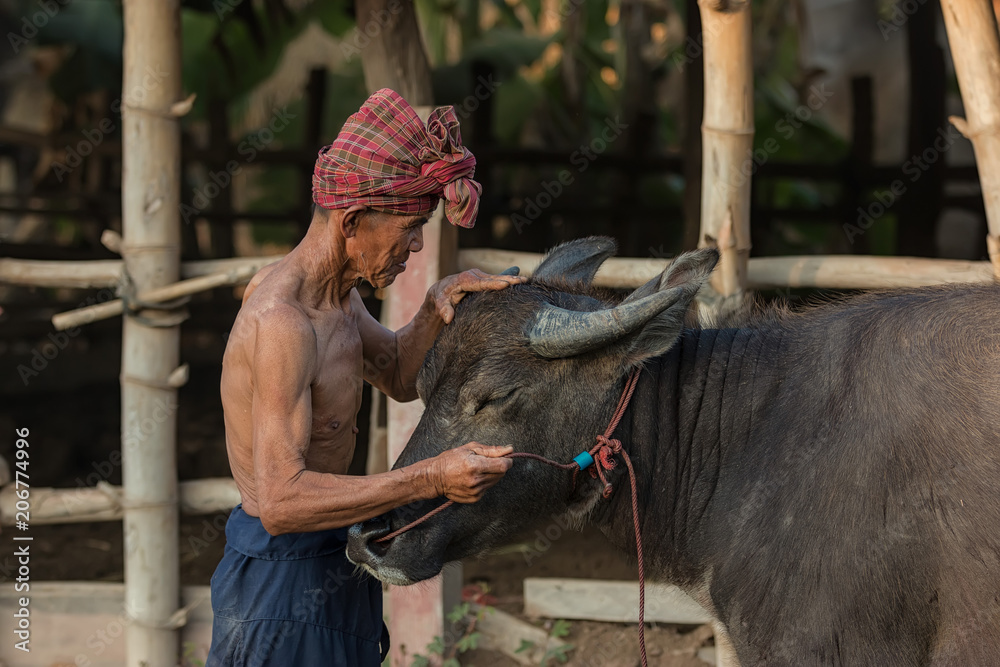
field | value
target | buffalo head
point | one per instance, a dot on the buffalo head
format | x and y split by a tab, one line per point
538	366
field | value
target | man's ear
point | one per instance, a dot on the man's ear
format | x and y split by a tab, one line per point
350	222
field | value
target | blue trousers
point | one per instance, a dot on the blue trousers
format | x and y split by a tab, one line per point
292	601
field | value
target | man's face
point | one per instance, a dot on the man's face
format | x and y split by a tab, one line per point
385	242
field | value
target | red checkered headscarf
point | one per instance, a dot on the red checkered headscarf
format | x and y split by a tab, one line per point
386	159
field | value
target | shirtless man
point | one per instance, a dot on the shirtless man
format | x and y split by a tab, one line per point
293	371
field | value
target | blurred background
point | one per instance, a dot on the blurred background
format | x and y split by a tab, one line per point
585	119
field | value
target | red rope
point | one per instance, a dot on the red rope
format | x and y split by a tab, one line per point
440	508
603	453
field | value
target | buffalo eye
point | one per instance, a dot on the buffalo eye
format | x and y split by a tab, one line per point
496	399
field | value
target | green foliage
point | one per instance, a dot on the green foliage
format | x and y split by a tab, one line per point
526	645
94	29
560	629
468	641
234	46
559	652
187	657
459	612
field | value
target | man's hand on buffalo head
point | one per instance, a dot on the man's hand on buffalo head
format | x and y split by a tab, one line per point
465	473
447	292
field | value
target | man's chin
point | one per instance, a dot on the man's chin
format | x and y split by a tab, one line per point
389	277
383	281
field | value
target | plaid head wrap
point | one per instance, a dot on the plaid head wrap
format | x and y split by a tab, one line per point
386	159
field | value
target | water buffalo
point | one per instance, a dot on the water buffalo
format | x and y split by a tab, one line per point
825	482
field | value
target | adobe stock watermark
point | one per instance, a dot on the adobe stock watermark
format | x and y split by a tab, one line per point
136	436
363	35
44	353
566	9
31	24
210	532
914	168
94	137
581	158
694	48
901	13
103	638
485	88
785	126
549	535
248	149
223	7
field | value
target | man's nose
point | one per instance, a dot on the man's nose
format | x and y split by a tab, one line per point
417	241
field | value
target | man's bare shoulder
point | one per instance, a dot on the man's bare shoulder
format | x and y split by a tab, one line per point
258	278
270	314
278	322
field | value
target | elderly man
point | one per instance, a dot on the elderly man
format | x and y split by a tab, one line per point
284	593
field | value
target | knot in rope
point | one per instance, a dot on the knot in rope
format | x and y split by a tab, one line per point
604	454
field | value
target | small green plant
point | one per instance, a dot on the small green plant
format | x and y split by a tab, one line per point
463	614
188	659
557	653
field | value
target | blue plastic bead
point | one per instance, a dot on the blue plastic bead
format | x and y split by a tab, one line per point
584	460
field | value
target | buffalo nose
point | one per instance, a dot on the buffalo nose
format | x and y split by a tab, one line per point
362	539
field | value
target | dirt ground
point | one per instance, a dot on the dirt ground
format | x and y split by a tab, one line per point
79	442
93	552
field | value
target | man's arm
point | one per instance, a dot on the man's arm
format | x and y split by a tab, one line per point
293	499
392	359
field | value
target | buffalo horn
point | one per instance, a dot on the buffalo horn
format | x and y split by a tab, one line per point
557	333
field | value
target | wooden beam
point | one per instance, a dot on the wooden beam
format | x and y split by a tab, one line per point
811	271
83	623
609	601
819	271
975	49
103	311
108	273
103	502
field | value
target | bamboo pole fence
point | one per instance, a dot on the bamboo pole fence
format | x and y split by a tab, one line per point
150	346
975	50
795	271
727	141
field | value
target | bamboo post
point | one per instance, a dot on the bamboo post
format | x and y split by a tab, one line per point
727	137
151	256
975	49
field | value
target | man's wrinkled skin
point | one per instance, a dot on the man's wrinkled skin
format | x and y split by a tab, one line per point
294	367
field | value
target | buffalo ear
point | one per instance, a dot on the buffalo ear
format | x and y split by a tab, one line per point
688	271
576	261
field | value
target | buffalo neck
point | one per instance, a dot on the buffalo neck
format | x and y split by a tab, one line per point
692	411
